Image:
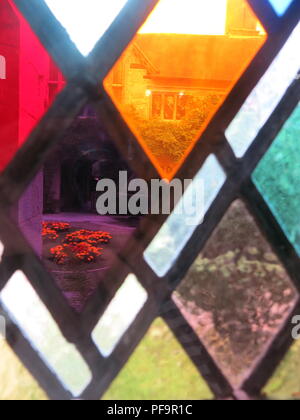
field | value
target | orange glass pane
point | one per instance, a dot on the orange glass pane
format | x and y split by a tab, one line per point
29	81
179	69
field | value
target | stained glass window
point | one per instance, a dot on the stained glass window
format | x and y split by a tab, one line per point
149	211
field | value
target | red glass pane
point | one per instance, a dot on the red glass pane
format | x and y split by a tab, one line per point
29	80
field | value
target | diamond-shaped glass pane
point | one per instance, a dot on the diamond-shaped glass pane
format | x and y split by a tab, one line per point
163	251
280	6
119	315
152	372
77	237
265	97
16	382
29	81
285	383
236	295
30	314
86	21
278	176
178	70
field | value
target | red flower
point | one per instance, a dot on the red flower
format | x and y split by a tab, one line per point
81	245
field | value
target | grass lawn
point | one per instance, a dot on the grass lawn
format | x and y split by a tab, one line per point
15	381
159	369
285	383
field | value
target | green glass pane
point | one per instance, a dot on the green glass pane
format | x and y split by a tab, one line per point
285	383
159	370
277	177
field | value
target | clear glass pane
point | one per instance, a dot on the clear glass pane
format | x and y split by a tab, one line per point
59	212
119	315
237	294
159	369
1	251
278	176
30	314
93	17
280	6
179	69
179	227
29	81
16	382
285	383
265	97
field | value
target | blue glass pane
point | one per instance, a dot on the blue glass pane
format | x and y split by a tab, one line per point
280	6
278	178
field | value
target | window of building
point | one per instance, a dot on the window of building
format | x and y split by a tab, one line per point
169	106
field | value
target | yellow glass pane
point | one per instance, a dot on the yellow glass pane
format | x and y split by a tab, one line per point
179	69
285	383
16	383
159	369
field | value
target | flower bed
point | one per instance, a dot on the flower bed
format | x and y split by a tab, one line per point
81	246
51	230
88	236
63	254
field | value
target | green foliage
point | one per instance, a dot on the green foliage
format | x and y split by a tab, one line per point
16	382
285	383
159	369
169	140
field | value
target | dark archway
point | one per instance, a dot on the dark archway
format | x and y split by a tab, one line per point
76	185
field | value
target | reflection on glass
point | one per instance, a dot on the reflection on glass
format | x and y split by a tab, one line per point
32	317
179	227
281	6
119	315
93	17
265	97
179	69
159	369
285	383
28	82
237	294
58	215
278	176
